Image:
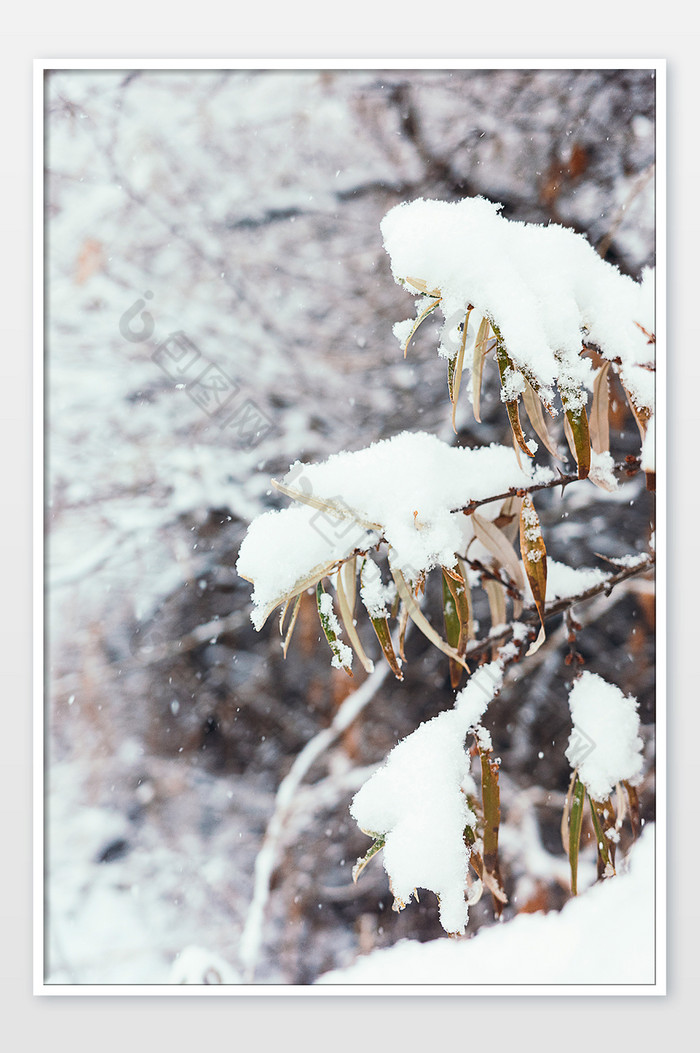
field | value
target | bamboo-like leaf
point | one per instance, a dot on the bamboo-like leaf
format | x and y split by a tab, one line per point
290	630
580	437
328	624
634	809
505	366
369	854
534	554
422	287
499	546
341	511
461	593
458	367
641	416
601	823
283	614
491	800
381	628
457	618
380	624
599	423
421	622
480	352
467	597
349	571
403	625
575	823
533	408
496	595
309	582
452	629
346	615
419	321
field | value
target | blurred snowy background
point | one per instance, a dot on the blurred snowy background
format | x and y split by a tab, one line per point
241	209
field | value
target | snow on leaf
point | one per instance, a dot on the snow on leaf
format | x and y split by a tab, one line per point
601	714
342	655
417	803
534	555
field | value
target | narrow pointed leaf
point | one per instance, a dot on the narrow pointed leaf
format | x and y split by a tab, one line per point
292	623
379	620
467	597
496	595
421	622
309	582
499	546
349	624
601	811
369	854
480	352
457	374
419	321
349	572
533	408
505	367
491	800
575	823
580	436
534	554
634	809
342	655
457	619
283	614
599	423
340	511
381	628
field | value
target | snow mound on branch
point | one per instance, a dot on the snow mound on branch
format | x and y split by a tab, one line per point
544	286
407	489
604	744
417	802
604	936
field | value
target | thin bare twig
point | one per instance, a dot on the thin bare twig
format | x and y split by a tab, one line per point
629	467
531	617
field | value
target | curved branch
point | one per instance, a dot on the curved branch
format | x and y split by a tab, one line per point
531	618
629	467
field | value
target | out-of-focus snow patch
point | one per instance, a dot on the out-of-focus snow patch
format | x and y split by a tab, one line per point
198	965
604	936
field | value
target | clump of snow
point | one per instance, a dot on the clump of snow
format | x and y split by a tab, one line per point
545	287
604	744
416	802
602	471
374	594
564	581
407	490
604	936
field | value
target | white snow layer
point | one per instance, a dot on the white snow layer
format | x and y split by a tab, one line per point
604	936
545	287
604	744
407	489
417	802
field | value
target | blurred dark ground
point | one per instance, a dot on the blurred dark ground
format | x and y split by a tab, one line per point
250	204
